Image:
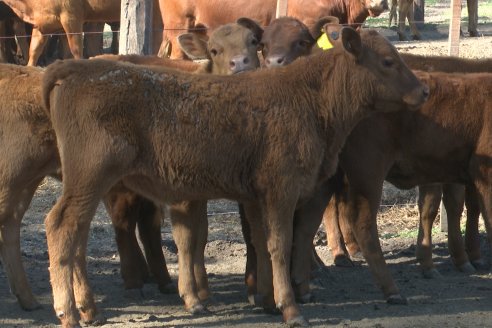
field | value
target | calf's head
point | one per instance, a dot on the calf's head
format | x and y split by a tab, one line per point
287	38
231	48
392	84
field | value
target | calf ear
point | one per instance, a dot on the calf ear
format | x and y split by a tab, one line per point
194	46
351	41
252	25
319	27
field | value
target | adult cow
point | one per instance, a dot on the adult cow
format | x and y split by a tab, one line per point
28	140
406	12
179	16
248	137
53	16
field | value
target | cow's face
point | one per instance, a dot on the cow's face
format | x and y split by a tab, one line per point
393	82
231	48
375	7
284	40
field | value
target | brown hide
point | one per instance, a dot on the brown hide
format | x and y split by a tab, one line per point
259	143
456	124
210	14
448	64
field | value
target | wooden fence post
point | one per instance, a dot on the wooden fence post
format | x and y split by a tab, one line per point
454	28
136	27
281	8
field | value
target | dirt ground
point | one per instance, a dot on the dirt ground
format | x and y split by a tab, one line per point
344	297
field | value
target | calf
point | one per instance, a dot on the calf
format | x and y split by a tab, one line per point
457	129
343	243
265	138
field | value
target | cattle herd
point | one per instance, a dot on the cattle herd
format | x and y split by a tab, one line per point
322	113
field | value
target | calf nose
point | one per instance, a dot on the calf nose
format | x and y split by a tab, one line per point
275	61
240	63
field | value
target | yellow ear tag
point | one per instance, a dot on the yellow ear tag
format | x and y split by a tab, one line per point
323	42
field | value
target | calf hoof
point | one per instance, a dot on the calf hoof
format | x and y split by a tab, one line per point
431	273
169	288
396	300
30	305
297	322
343	261
473	33
134	294
467	268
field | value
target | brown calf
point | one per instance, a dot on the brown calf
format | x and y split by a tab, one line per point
264	138
457	129
343	244
200	14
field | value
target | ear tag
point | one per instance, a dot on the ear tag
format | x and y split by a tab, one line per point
323	42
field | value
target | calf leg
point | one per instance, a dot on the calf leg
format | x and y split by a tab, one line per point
278	219
306	223
124	218
411	21
472	237
334	235
264	285
402	16
453	200
361	212
250	277
12	209
185	217
64	227
149	228
428	202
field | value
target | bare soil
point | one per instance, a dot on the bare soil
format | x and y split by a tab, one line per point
344	297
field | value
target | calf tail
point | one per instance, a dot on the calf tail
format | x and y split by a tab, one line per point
54	76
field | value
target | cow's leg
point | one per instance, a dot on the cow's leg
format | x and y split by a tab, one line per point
348	236
453	200
472	6
185	218
93	39
201	278
250	277
12	209
264	285
402	16
124	218
472	237
411	21
428	202
74	29
38	42
334	235
306	223
278	219
149	228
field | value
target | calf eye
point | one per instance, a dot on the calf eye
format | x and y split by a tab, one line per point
303	43
254	42
388	62
213	52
